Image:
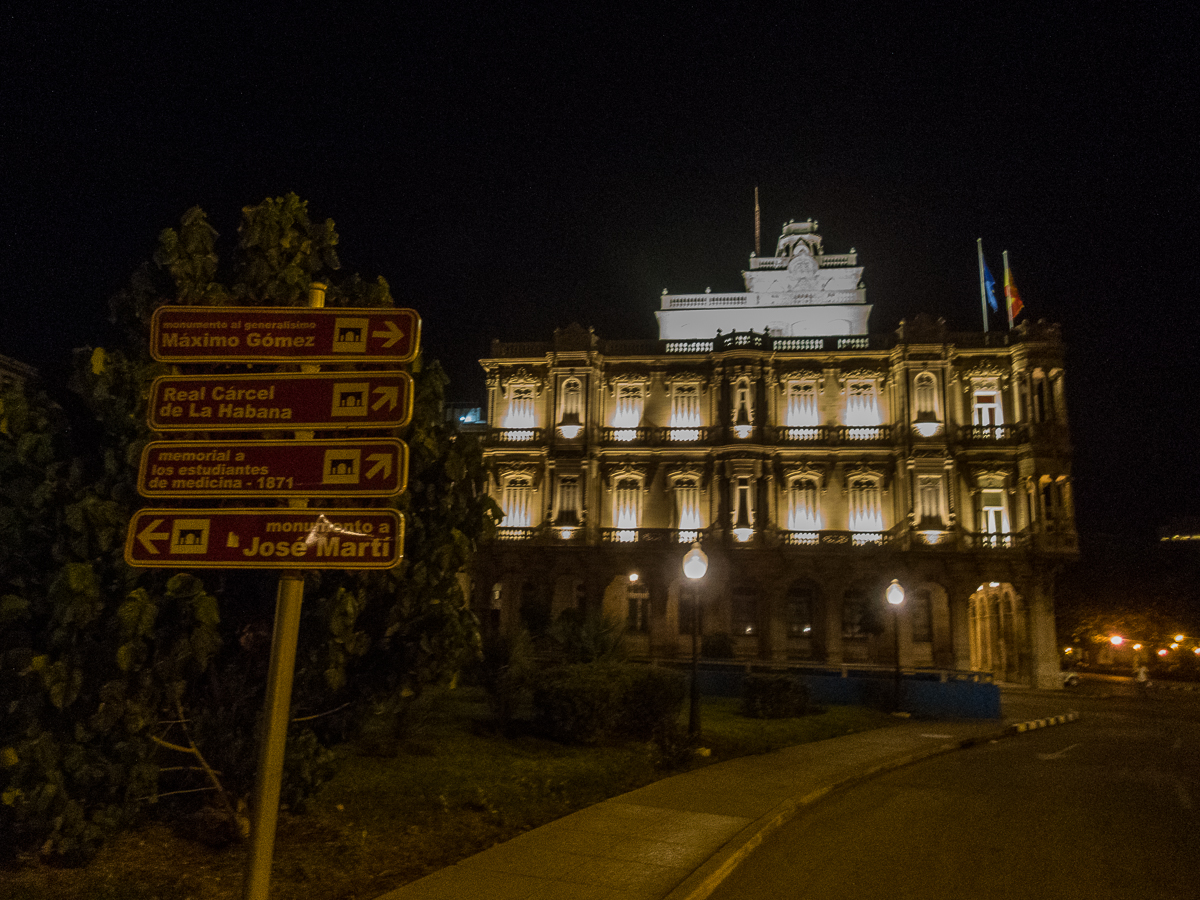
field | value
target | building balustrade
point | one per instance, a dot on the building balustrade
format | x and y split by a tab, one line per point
993	433
948	540
514	436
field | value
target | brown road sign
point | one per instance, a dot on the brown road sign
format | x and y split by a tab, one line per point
368	467
265	538
282	334
253	402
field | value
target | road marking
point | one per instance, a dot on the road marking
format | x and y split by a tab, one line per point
1058	755
939	736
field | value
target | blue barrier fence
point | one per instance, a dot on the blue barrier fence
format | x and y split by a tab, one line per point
920	696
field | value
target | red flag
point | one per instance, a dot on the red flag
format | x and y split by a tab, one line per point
1010	293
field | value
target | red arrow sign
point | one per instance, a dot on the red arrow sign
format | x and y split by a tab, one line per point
274	334
254	402
362	468
265	538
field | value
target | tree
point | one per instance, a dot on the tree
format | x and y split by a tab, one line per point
131	687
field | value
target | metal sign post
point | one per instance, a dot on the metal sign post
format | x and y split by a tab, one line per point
293	539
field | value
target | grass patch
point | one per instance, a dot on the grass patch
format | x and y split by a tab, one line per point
452	790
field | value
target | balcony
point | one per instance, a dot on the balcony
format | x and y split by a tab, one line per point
646	536
830	434
993	433
508	436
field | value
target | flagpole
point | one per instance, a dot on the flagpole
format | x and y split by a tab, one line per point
982	290
757	227
1007	298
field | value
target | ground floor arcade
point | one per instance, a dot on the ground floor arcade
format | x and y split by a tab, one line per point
962	612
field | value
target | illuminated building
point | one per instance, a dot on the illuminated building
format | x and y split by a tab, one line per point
815	462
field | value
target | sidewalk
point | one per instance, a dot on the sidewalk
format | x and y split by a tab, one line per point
680	837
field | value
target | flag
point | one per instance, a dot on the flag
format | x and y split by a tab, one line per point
1010	293
989	287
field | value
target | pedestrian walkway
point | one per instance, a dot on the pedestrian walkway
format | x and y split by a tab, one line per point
678	838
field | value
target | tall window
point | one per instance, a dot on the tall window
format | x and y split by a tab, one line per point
685	406
568	501
802	405
992	518
520	407
630	402
687	510
518	503
987	410
571	413
743	410
800	603
926	398
804	510
743	510
862	403
627	506
638	619
745	611
929	501
855	606
866	506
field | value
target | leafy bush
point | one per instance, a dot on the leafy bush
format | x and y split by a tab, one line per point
773	697
578	704
504	670
718	645
651	703
584	704
590	638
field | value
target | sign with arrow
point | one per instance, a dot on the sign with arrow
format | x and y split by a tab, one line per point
265	538
284	334
369	467
287	401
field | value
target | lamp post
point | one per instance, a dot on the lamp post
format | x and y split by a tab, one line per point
695	564
895	596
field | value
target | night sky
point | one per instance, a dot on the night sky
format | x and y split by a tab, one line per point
513	168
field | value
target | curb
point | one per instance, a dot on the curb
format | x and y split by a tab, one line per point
701	883
1020	727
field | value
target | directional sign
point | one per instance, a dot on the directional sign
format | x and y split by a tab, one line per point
274	334
253	402
370	467
265	538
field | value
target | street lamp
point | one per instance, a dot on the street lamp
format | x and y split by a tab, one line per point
895	596
695	564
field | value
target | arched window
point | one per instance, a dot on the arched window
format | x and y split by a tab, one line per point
926	398
630	403
627	506
685	406
801	601
802	409
568	501
862	403
866	506
804	505
520	407
570	414
687	510
518	502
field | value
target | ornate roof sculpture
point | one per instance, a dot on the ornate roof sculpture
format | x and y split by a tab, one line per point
800	291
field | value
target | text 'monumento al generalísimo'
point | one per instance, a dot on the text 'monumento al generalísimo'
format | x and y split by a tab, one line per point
274	334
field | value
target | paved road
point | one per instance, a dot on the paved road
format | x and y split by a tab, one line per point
1108	806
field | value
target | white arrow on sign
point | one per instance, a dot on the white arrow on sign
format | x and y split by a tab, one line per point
383	462
392	334
147	535
390	396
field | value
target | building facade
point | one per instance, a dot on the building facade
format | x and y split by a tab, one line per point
813	461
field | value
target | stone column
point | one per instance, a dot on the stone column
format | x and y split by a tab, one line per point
1043	644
